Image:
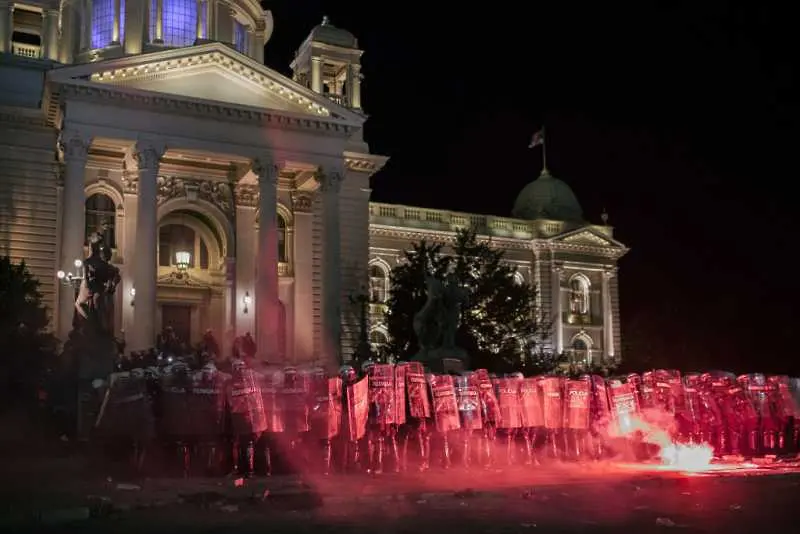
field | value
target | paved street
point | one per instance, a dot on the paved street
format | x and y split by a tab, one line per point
561	498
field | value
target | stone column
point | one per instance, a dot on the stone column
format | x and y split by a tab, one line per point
354	83
558	323
145	270
303	265
75	149
6	25
330	182
159	36
267	307
50	35
136	33
316	74
608	317
199	32
116	30
230	304
86	25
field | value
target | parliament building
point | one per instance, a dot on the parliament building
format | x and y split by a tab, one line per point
235	198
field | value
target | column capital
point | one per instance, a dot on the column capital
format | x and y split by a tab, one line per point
302	201
148	153
316	59
267	169
329	180
74	145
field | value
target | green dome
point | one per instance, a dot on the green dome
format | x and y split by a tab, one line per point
329	34
547	197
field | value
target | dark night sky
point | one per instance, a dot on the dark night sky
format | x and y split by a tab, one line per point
677	120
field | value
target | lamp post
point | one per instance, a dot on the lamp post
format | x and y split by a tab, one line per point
183	259
68	278
361	300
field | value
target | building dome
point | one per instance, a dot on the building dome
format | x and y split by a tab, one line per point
547	197
327	33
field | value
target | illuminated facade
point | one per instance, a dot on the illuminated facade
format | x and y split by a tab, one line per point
156	123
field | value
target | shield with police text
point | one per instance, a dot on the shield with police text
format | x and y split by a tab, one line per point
578	394
445	407
176	409
553	402
326	414
381	394
245	404
126	410
419	401
273	380
623	406
507	390
400	394
469	403
530	400
295	396
357	408
490	409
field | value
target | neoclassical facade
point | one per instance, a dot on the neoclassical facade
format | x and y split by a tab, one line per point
236	199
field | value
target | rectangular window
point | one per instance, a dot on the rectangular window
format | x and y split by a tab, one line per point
239	37
102	23
204	19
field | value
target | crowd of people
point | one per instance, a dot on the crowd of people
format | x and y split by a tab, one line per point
252	418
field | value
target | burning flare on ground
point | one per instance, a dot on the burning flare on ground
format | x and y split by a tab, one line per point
674	455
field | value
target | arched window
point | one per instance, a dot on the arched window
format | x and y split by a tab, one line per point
579	295
174	238
103	22
378	339
101	216
283	253
377	283
581	349
178	21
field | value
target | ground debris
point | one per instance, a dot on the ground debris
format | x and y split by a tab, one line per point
666	522
128	487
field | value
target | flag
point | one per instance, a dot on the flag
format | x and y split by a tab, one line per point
538	139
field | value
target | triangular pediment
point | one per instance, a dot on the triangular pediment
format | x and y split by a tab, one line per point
210	72
587	237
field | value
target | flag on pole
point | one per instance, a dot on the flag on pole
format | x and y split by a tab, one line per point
538	139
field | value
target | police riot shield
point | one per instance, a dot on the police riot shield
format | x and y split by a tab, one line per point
419	401
647	395
445	407
400	403
357	408
553	402
207	402
507	390
127	409
295	400
490	409
623	406
469	403
245	403
326	415
530	401
176	397
273	405
578	404
382	399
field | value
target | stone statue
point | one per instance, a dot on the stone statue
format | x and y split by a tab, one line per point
427	321
437	322
455	296
95	305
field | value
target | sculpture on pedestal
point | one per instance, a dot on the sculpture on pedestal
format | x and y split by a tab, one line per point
436	324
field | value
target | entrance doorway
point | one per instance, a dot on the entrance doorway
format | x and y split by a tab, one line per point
180	319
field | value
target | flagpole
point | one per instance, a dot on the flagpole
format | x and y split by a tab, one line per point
544	150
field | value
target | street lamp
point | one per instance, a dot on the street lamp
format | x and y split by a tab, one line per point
247	300
132	292
182	260
68	278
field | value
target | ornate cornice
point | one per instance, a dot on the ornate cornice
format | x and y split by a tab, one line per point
74	146
417	234
188	106
600	251
369	164
302	202
246	195
130	182
219	194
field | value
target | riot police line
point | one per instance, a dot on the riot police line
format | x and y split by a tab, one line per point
400	417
